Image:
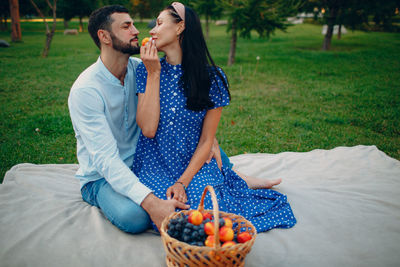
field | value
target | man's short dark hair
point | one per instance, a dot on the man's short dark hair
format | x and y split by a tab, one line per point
101	19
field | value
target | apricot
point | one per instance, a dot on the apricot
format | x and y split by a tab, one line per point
228	222
209	228
243	237
228	243
195	217
210	241
207	215
145	40
226	234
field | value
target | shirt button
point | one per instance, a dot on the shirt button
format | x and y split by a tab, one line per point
175	76
171	123
175	94
173	109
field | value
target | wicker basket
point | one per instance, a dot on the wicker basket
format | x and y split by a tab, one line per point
182	254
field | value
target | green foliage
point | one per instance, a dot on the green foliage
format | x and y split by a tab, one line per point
209	8
295	98
147	8
69	9
355	13
263	16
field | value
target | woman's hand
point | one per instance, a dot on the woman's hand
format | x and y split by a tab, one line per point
149	56
177	191
148	110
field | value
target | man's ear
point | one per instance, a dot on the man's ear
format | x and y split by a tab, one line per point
104	37
181	27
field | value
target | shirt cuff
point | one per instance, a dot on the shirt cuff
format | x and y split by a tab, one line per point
139	192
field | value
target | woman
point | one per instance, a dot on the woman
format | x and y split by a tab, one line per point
179	116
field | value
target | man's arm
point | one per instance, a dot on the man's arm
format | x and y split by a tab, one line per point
159	209
87	114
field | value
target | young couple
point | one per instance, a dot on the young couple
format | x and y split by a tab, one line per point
146	130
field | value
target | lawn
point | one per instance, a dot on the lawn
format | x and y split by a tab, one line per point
295	98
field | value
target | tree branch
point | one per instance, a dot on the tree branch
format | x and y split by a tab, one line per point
41	15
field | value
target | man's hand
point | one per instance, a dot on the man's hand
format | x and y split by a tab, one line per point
149	56
159	209
215	153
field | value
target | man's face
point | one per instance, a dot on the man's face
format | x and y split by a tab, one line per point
124	34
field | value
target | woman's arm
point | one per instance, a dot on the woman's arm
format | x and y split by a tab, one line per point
210	125
148	110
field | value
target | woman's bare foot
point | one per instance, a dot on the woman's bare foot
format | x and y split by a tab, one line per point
257	183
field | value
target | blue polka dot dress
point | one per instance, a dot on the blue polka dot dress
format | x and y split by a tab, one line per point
160	161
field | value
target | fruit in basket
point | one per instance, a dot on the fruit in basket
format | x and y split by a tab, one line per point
226	234
195	217
243	237
210	241
209	228
228	222
207	215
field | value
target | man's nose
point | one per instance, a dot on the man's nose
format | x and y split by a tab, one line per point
134	30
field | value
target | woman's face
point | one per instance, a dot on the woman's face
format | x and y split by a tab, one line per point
166	32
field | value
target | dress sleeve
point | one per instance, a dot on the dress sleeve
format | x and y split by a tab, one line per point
219	94
141	78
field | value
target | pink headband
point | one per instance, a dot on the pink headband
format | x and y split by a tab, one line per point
180	9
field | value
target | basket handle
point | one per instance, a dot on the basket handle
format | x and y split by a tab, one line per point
215	212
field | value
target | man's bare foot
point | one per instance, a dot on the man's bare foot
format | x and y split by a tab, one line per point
257	183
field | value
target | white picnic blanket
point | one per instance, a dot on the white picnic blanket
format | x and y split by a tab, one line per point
346	201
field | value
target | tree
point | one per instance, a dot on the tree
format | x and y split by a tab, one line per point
4	14
49	32
263	16
353	14
148	8
69	9
211	9
16	35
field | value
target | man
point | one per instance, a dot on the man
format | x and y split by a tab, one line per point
102	105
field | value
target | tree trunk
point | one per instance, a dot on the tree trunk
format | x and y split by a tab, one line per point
49	38
232	50
339	33
333	11
49	33
80	24
16	35
65	24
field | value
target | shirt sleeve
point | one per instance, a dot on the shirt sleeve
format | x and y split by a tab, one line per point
87	114
141	78
219	94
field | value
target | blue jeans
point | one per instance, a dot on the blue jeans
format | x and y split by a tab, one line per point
120	210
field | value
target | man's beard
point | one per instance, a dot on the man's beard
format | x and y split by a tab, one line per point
122	47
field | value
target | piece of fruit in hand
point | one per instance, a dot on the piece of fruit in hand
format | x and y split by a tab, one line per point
145	40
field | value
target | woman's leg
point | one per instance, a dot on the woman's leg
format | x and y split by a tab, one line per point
118	209
252	182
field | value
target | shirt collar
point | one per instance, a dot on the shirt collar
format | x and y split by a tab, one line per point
108	74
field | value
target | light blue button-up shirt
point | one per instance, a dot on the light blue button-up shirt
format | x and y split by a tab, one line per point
103	114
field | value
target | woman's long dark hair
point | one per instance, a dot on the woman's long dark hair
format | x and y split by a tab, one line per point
197	65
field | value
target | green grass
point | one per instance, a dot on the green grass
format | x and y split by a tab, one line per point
297	98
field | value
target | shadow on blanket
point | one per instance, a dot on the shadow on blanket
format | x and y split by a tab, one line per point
346	200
